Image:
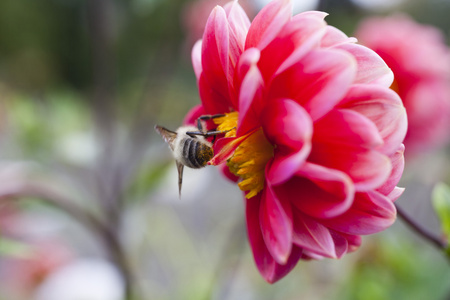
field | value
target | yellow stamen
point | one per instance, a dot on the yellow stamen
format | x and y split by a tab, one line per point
250	157
228	123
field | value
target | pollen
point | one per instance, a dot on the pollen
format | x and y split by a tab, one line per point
250	157
228	123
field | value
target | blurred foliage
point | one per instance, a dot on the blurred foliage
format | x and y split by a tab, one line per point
14	248
441	204
397	268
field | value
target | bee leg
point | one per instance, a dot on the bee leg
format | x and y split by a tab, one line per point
192	134
180	168
206	118
207	133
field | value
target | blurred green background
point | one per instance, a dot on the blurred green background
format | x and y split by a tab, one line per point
82	83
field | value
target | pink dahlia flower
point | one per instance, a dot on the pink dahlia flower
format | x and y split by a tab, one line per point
314	134
420	60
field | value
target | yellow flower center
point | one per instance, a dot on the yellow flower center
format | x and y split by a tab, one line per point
228	123
250	157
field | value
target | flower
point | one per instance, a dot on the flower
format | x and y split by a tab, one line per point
313	132
420	60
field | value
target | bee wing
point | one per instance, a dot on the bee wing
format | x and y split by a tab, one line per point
168	135
180	168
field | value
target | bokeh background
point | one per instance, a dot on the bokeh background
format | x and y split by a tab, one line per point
89	205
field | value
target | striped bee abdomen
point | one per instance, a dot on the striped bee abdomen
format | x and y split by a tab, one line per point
196	153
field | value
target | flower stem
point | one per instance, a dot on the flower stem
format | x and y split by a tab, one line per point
420	230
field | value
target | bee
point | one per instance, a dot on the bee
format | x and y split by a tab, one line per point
189	145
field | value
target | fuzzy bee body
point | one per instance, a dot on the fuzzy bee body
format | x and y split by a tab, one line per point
192	151
189	147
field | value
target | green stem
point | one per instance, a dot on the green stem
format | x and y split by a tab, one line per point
420	230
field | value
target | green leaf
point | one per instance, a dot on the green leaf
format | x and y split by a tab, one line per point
441	204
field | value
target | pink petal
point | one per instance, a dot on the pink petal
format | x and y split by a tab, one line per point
249	58
196	57
349	127
250	97
353	241
371	67
224	148
239	25
384	107
215	60
370	213
398	164
341	244
267	266
212	100
334	37
317	82
215	45
192	116
288	126
298	36
309	255
318	191
276	225
313	236
367	168
395	194
268	23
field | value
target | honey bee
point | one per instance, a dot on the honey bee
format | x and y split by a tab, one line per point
189	145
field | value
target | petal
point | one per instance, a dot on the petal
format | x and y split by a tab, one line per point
297	37
212	100
395	194
318	191
267	266
349	127
192	116
239	25
196	57
334	37
288	126
268	23
353	241
249	58
223	148
398	165
349	147
317	82
371	67
341	244
367	168
370	213
215	45
250	98
313	236
384	107
216	52
276	225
